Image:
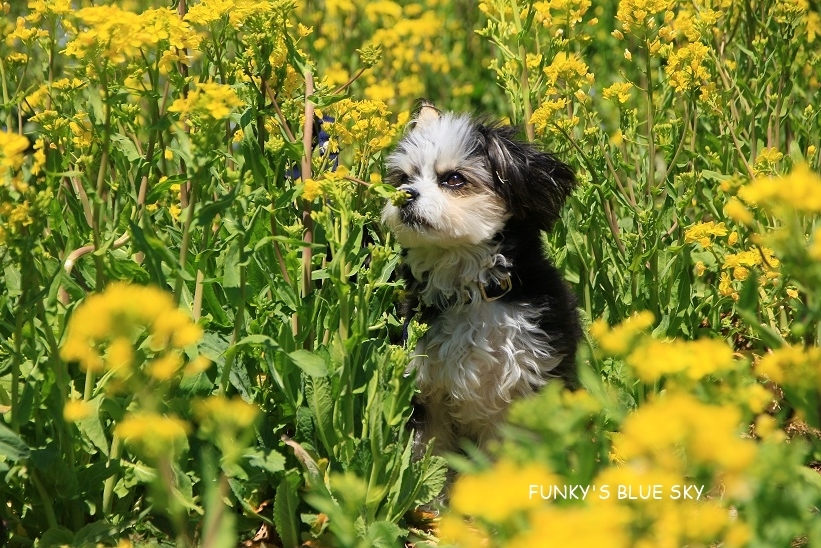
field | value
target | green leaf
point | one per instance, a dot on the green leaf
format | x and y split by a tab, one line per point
91	534
321	403
384	534
310	363
11	446
272	462
286	515
434	476
92	426
56	537
126	146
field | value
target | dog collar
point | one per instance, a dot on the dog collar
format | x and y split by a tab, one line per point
495	289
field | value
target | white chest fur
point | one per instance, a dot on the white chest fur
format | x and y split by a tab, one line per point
477	356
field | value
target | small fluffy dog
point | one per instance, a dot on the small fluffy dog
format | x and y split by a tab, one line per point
501	320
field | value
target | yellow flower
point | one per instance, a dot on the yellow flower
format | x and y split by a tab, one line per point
108	323
800	190
500	492
455	530
12	147
793	366
221	412
311	189
570	526
617	340
77	410
696	359
709	434
207	102
542	116
725	286
703	233
165	367
685	67
738	212
700	268
815	245
638	13
362	122
619	91
157	435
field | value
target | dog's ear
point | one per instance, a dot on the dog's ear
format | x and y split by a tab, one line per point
424	112
533	184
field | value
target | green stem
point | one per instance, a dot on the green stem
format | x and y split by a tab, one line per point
651	138
239	320
526	105
186	238
45	498
19	320
6	100
108	486
97	211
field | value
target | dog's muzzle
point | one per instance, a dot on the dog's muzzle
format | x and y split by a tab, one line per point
407	211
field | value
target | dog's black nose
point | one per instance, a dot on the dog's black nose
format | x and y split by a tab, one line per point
411	193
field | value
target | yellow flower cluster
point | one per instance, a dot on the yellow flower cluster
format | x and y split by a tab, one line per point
569	70
363	122
12	147
703	233
560	12
793	366
508	483
154	434
618	340
542	117
619	91
236	12
800	191
119	35
652	446
708	434
206	103
685	67
695	359
117	319
640	13
741	263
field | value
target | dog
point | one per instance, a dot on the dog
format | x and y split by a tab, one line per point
501	320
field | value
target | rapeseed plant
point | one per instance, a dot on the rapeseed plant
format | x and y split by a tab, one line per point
198	295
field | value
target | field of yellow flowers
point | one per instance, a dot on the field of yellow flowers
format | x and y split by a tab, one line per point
198	305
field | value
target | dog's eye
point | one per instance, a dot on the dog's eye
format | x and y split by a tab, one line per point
454	180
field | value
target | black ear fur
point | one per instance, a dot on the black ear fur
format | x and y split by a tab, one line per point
534	184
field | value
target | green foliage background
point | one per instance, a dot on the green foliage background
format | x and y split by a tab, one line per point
230	153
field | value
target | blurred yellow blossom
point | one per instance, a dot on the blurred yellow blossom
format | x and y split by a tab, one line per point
618	339
792	365
709	434
800	190
155	434
112	321
500	492
738	212
77	410
695	359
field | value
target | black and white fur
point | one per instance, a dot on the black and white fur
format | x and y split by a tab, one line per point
502	321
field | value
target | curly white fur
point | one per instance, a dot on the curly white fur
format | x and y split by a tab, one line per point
477	356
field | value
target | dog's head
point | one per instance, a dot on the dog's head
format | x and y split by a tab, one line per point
464	179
